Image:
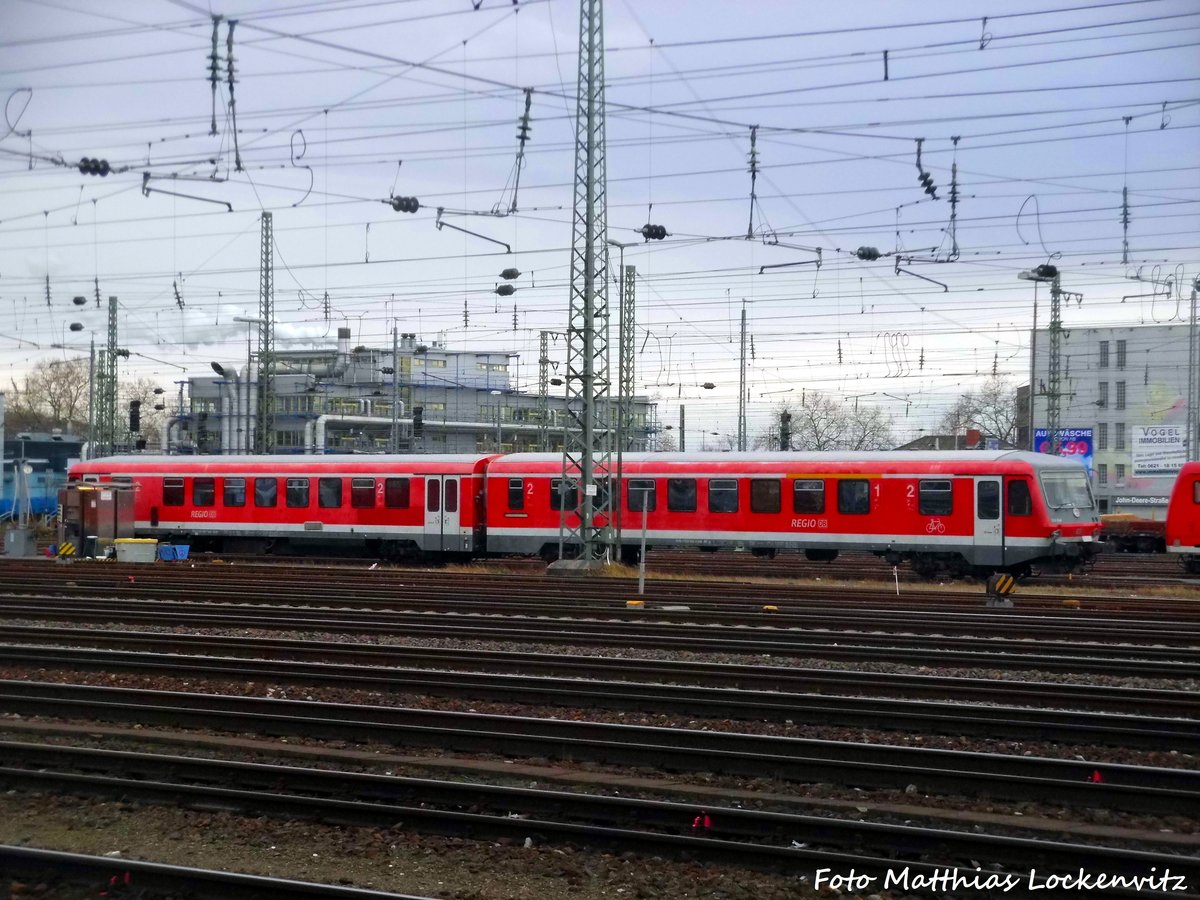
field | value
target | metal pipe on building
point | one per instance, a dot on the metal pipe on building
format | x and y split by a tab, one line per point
166	433
318	430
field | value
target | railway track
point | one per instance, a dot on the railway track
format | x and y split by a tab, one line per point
923	717
384	585
850	642
797	843
1069	783
95	874
406	661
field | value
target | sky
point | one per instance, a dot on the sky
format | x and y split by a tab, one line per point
1043	115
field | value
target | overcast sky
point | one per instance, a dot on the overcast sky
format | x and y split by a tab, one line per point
340	104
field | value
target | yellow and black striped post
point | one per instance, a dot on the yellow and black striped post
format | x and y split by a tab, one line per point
1001	585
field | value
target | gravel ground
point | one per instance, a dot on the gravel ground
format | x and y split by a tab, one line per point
385	859
391	859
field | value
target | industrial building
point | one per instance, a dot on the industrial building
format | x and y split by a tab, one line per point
348	399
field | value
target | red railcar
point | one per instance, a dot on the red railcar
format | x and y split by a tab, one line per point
969	512
387	505
1183	517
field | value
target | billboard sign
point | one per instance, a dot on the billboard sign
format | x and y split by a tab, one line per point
1158	451
1074	443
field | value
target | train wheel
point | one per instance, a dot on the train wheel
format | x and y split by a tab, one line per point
631	556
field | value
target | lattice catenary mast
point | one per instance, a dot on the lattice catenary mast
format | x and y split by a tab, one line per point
265	420
586	451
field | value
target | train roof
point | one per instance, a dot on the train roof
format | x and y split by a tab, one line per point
892	458
349	462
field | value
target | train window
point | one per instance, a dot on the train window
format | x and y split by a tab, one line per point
681	494
563	495
642	494
935	498
172	492
603	487
266	492
987	500
1019	501
122	479
808	496
516	493
233	491
765	495
297	493
362	493
204	491
451	495
854	496
395	493
723	495
1196	491
433	495
329	493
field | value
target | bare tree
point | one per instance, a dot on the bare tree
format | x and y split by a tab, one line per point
821	422
868	428
53	394
992	410
152	420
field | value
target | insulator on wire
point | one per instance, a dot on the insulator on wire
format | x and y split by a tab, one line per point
79	301
927	182
77	326
89	166
867	253
510	274
654	232
405	204
505	290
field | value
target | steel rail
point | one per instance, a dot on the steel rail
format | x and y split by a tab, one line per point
381	584
482	810
925	717
785	679
35	864
1131	788
1092	658
1165	631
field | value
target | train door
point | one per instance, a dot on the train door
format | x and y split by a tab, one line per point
441	513
989	521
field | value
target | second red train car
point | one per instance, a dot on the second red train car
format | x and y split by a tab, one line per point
956	513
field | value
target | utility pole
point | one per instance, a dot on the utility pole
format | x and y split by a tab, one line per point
741	432
395	389
1054	378
265	426
106	395
587	381
91	400
1054	374
1193	398
543	400
1033	371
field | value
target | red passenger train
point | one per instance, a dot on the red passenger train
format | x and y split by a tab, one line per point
1183	518
958	513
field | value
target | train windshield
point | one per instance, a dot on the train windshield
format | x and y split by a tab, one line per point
1067	490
